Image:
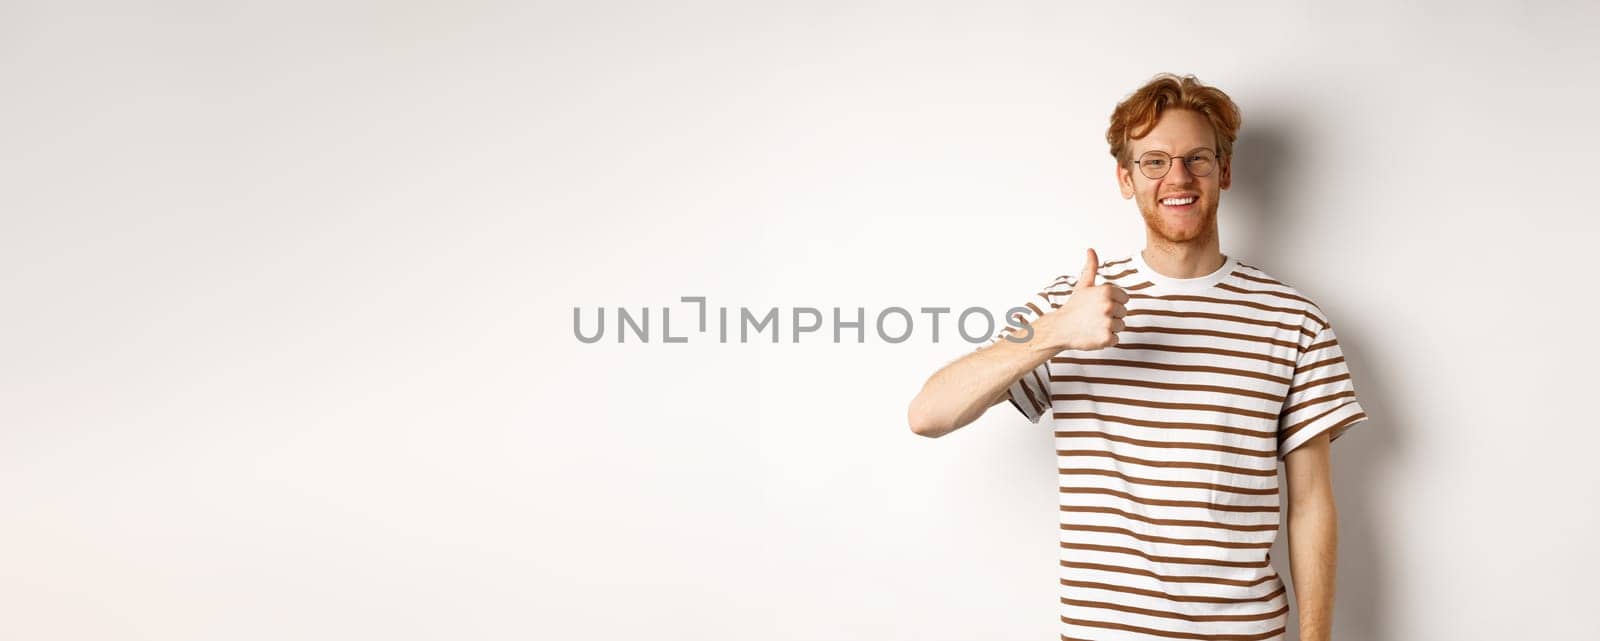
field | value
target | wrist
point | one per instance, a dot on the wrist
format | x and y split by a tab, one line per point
1048	337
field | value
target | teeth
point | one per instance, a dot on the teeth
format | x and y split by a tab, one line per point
1178	201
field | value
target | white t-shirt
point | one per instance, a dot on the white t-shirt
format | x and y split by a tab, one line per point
1168	444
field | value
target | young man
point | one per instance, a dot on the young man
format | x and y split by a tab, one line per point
1174	379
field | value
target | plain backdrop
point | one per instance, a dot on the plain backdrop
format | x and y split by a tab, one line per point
287	293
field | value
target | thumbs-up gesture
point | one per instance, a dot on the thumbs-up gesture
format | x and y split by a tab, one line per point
1091	317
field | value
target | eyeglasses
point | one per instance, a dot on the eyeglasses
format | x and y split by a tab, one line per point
1155	164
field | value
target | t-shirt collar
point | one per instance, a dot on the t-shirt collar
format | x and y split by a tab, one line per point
1198	283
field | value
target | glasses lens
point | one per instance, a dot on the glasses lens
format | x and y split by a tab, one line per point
1201	163
1154	164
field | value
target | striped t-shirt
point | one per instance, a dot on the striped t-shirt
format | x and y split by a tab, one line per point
1167	445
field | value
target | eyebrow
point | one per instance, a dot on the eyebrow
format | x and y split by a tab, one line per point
1205	147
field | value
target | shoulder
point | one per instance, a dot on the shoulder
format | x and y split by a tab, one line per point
1108	271
1267	287
1116	267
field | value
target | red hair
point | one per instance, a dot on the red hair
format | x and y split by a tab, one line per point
1137	114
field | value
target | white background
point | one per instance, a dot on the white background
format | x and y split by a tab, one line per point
287	296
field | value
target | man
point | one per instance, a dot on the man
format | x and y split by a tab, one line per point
1174	379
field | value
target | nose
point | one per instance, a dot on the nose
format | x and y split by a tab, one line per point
1178	172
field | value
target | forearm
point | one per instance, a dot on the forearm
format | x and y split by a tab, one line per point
1313	557
960	392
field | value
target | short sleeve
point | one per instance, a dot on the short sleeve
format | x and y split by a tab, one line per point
1322	396
1031	393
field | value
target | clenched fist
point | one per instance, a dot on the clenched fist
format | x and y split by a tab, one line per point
1091	317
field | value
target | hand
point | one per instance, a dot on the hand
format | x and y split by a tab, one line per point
1091	317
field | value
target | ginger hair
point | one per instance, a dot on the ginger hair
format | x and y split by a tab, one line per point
1137	114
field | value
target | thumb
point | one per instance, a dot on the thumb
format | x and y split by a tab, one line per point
1089	268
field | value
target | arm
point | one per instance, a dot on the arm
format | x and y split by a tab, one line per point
1313	536
959	393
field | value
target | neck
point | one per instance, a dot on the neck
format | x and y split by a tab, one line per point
1183	260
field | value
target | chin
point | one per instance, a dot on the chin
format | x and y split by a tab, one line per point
1177	238
1179	235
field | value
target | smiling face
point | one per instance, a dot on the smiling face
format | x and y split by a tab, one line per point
1179	132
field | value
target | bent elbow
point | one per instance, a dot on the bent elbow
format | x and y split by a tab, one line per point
922	424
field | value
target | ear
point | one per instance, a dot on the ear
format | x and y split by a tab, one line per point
1125	181
1226	177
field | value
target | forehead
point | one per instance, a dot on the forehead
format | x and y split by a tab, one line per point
1178	130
